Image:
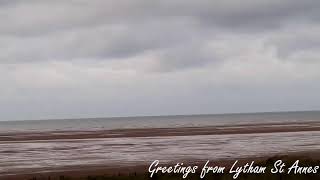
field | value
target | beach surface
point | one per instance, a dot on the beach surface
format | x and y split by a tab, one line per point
25	154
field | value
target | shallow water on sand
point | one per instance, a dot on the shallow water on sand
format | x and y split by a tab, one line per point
22	156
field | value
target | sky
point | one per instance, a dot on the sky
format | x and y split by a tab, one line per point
101	58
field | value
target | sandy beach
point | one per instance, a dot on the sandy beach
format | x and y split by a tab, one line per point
126	151
121	172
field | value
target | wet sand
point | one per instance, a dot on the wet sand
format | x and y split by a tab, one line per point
83	172
81	153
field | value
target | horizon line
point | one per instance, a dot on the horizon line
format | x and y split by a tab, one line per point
167	115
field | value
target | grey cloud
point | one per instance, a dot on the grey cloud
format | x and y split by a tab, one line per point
102	42
68	30
298	41
299	44
24	17
9	2
185	56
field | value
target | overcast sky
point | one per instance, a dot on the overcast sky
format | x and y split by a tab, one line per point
96	58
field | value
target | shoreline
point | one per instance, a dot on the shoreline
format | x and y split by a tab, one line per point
154	132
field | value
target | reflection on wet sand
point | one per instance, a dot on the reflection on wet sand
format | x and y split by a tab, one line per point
46	152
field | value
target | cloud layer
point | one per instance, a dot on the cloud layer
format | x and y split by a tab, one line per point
136	57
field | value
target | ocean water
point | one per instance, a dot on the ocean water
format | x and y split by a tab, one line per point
159	121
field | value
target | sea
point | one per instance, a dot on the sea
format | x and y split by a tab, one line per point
177	121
